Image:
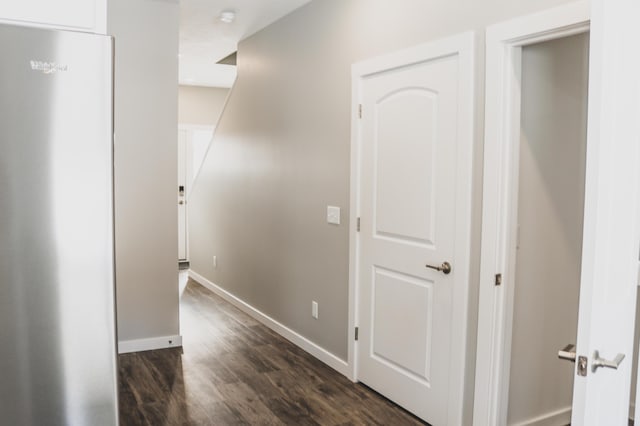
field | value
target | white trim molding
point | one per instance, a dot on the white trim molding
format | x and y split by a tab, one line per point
553	418
153	343
504	44
297	339
463	46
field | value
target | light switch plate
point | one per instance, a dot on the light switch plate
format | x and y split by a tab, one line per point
333	215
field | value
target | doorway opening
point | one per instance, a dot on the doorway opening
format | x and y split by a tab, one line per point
548	252
199	110
533	205
193	142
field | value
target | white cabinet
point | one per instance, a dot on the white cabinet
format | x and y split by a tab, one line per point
82	15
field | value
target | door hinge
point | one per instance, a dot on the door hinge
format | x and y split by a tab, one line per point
358	225
359	110
498	279
356	333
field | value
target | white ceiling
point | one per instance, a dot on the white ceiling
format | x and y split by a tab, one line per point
204	39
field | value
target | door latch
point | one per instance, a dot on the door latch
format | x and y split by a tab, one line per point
569	353
582	366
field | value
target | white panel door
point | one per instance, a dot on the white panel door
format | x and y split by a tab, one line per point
612	211
410	132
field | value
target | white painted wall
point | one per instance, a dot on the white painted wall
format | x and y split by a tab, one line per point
550	211
201	105
146	115
84	15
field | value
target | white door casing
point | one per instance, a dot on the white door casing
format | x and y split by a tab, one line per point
504	44
611	237
411	184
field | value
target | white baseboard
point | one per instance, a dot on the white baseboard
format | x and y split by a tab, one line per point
139	345
307	345
562	416
553	418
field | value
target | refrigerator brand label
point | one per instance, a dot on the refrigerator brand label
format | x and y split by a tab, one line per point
48	67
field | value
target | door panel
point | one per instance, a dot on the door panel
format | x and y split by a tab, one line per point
409	146
405	172
612	213
407	300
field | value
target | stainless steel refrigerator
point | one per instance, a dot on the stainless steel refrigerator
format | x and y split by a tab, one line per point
57	316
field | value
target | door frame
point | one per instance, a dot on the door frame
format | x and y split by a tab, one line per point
462	45
504	43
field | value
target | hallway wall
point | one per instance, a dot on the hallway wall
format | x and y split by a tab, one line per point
281	154
200	105
145	170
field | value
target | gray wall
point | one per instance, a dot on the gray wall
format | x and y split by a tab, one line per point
281	154
550	212
146	91
200	105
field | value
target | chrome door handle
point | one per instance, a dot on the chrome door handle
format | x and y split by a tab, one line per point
445	268
601	362
568	353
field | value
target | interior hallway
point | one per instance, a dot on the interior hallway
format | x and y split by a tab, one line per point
233	370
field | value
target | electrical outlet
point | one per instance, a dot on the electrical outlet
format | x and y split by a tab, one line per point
314	309
215	262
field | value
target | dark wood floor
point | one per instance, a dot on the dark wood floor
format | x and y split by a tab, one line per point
234	371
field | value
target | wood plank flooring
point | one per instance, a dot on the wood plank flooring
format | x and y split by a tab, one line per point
234	371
